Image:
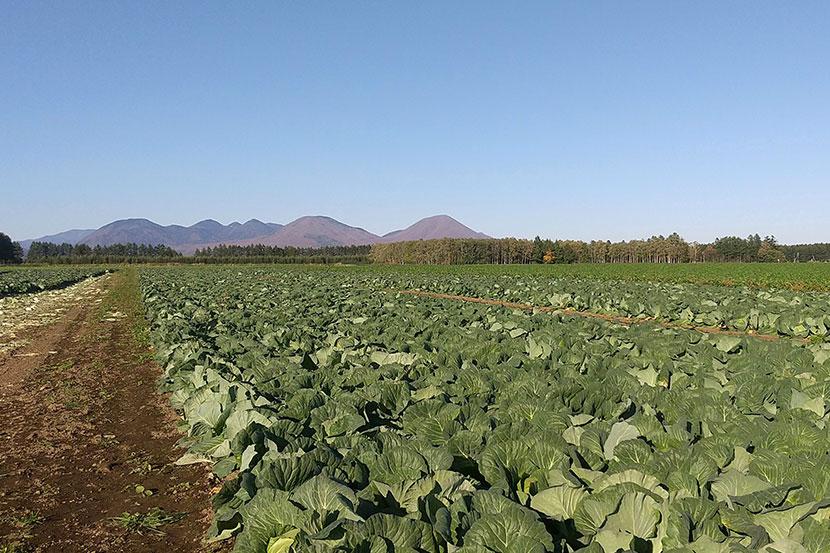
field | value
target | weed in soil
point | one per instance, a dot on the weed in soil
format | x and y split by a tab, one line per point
151	521
13	547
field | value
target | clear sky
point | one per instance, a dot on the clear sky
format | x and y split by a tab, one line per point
609	120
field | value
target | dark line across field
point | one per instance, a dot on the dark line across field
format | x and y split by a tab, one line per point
592	315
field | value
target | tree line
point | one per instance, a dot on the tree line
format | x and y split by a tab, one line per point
260	253
807	252
46	252
277	252
657	249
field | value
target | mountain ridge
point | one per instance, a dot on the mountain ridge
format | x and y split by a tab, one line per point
312	231
309	231
72	236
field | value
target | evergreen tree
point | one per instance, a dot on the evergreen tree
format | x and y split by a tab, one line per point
10	252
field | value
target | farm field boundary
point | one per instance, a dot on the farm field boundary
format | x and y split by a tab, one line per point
592	315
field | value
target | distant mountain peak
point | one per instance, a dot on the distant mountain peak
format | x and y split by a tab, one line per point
314	231
208	223
309	231
439	217
433	228
324	218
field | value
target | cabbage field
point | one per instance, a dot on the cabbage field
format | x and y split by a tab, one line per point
345	413
754	310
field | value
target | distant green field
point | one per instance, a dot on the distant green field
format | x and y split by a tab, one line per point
793	276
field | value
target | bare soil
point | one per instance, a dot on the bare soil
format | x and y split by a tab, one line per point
85	438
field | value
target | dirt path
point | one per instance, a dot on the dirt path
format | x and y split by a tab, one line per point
85	438
591	315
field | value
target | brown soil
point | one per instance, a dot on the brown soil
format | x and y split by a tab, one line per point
591	315
81	425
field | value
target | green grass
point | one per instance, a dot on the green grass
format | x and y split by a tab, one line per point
26	521
125	297
15	542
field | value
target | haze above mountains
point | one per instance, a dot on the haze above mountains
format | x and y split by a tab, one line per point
305	232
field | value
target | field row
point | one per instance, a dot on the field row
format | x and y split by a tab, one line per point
28	280
799	277
780	312
357	419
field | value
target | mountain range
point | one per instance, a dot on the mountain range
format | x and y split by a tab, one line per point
306	232
66	237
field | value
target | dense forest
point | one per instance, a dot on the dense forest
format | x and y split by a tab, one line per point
657	249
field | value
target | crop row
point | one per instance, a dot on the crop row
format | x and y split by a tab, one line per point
28	280
780	312
346	418
800	277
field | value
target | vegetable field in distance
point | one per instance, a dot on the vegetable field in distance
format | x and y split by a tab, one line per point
754	310
793	276
346	414
15	281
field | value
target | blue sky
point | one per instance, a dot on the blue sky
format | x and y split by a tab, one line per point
609	120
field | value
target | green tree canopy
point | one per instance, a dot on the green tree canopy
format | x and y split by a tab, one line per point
10	252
